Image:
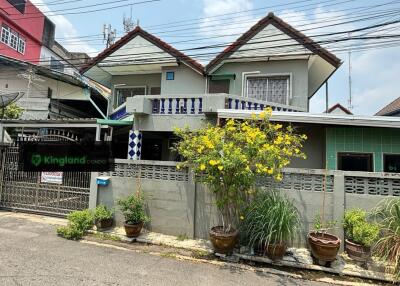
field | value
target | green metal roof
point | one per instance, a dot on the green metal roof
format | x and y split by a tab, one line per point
114	122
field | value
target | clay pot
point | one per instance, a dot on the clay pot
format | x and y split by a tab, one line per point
223	242
324	246
133	230
273	251
104	223
357	252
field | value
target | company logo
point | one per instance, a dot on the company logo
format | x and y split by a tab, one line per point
36	159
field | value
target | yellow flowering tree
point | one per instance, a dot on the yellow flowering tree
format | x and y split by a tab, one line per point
229	158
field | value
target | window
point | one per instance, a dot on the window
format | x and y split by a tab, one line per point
355	162
269	88
219	86
391	163
5	34
14	40
18	4
170	75
21	46
124	93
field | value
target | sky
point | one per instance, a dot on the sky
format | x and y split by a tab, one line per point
186	24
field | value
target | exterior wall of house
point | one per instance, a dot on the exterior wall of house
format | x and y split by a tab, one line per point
377	141
30	28
148	80
186	81
298	69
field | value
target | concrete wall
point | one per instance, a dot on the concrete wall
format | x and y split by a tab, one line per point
297	68
186	81
148	80
179	206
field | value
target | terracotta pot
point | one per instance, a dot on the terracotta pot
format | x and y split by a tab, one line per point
223	242
104	223
133	230
273	251
357	252
324	246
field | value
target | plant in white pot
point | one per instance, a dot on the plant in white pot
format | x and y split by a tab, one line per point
228	158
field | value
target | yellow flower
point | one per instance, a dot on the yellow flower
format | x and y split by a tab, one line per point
270	171
220	168
178	167
262	115
242	217
247	168
202	167
213	162
278	126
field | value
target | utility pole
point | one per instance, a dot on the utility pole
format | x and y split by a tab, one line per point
326	97
350	83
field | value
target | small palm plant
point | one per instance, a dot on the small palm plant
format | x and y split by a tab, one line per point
270	222
387	248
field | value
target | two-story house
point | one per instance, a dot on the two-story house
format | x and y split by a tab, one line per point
159	88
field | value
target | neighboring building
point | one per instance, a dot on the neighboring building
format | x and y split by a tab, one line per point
49	94
161	88
339	109
392	109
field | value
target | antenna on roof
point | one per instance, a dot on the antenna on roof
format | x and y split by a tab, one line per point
109	35
128	23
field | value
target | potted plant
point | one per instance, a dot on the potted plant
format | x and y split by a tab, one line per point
269	223
324	246
387	248
133	210
229	157
360	234
104	217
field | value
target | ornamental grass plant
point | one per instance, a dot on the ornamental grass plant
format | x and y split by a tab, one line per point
229	157
387	248
270	219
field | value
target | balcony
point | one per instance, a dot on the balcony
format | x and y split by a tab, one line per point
184	104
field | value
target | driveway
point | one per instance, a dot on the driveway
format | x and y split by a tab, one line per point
32	254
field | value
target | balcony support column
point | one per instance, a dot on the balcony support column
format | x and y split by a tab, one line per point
135	144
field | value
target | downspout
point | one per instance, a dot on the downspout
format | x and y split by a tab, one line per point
86	92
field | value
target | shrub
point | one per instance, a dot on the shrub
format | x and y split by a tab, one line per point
270	219
230	157
101	212
358	229
132	208
365	233
387	214
78	223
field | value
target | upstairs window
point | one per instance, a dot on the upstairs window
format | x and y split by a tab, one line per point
355	162
124	93
14	40
21	46
18	4
5	34
269	88
56	65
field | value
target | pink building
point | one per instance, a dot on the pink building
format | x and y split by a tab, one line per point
24	30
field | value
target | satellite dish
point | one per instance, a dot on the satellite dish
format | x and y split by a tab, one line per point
8	98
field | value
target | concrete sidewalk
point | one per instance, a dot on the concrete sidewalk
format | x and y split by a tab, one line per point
32	254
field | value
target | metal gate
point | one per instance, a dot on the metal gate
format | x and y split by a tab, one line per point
25	191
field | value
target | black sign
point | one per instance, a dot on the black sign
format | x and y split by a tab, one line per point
66	157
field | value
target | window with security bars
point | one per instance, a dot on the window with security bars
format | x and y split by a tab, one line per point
124	93
14	40
21	46
269	88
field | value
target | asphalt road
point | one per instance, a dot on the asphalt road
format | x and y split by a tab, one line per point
32	254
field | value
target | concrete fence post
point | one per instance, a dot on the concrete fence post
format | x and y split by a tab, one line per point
93	190
191	198
339	204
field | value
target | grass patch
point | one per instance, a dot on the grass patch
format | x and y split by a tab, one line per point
107	236
182	237
200	254
168	254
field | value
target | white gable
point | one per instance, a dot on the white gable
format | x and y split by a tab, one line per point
137	51
270	42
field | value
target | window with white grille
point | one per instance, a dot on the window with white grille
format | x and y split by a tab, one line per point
21	46
5	34
14	40
269	88
124	93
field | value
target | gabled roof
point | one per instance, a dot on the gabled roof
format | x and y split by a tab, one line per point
390	109
285	28
338	105
152	39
